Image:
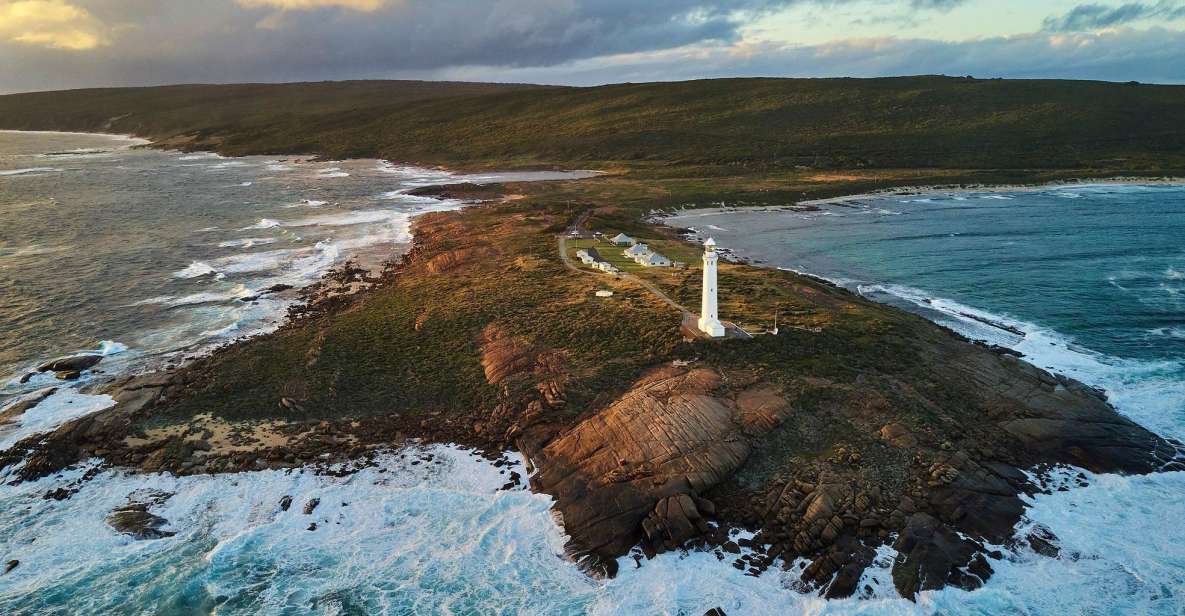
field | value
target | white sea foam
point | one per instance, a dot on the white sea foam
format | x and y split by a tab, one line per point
199	156
332	172
264	223
247	242
62	406
196	269
1150	392
230	164
344	219
30	171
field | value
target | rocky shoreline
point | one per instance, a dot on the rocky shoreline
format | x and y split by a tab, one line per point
914	438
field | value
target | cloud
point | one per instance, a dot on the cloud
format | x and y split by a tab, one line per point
144	42
366	6
1098	16
50	23
940	5
1156	56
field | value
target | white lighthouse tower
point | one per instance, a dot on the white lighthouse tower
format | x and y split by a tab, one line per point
709	320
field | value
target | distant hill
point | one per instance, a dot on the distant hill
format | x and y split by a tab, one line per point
843	123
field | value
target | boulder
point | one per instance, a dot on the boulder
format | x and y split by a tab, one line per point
71	363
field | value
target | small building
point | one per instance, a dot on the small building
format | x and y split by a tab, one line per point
653	259
636	250
622	239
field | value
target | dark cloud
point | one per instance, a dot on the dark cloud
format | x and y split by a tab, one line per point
1096	16
155	41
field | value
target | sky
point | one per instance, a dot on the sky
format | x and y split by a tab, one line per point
58	44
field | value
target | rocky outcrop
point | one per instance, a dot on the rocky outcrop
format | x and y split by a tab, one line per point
71	363
636	469
135	520
15	409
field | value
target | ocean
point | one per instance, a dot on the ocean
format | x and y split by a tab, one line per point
143	255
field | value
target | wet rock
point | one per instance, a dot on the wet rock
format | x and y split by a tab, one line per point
931	555
135	520
715	612
18	407
10	565
285	503
1042	541
674	520
311	505
58	494
67	375
71	363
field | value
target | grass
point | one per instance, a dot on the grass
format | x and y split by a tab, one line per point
729	125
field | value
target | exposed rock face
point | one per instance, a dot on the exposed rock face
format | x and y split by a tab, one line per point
532	380
647	457
135	520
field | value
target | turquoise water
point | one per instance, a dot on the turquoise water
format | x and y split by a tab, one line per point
1086	280
439	537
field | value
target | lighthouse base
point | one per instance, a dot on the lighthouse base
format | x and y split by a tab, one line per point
711	327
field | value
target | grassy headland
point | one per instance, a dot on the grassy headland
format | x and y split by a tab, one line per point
858	425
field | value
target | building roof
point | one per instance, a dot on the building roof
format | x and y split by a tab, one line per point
622	238
711	243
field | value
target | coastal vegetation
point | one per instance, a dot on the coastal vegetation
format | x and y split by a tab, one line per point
752	124
858	425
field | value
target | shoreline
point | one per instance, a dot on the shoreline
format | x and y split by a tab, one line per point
1010	188
139	140
448	296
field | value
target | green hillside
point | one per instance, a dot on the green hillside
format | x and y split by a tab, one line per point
910	122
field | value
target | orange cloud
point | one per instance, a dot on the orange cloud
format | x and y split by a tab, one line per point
50	23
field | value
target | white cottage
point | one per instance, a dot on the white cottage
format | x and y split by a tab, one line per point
622	239
636	250
653	259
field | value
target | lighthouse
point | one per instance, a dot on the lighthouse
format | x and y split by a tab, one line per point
709	320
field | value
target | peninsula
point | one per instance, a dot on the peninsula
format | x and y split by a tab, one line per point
856	425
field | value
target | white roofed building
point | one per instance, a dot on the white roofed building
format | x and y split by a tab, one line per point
622	239
636	250
652	259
